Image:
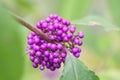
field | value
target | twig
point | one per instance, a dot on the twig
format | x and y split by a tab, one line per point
31	27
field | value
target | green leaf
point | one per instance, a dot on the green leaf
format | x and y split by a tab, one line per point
11	48
76	70
73	9
96	21
114	7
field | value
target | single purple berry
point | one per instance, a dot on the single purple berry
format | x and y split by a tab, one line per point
55	55
72	29
51	16
55	60
32	52
38	54
51	57
59	46
36	60
49	45
80	43
55	16
77	55
41	22
35	65
69	35
65	29
63	55
32	58
59	32
50	27
59	19
33	33
81	34
64	22
53	46
68	23
52	68
74	50
76	41
43	63
52	37
65	39
30	36
56	25
38	25
60	26
48	20
30	41
42	67
46	59
47	53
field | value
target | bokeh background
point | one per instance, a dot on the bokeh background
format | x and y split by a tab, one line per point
99	19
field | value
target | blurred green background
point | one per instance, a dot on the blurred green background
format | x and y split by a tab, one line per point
99	19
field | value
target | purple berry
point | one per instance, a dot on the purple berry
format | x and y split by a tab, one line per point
46	53
77	55
56	25
69	35
48	20
49	45
53	46
32	58
35	65
52	68
59	19
51	16
63	55
32	52
55	55
64	22
51	57
66	39
81	34
65	29
72	29
36	60
59	46
30	41
55	60
50	27
43	63
76	41
59	32
30	36
38	54
42	67
80	43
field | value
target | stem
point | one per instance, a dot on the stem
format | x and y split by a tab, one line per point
32	28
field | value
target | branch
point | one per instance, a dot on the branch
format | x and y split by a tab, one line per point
31	27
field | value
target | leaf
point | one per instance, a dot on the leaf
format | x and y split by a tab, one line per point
11	48
96	21
114	8
73	9
76	70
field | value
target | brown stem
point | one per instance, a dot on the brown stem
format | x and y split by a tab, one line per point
32	28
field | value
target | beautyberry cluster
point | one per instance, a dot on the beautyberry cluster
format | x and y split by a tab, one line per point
51	55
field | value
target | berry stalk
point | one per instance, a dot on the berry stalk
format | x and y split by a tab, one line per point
32	28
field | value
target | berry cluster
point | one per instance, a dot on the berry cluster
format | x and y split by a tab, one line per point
51	55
